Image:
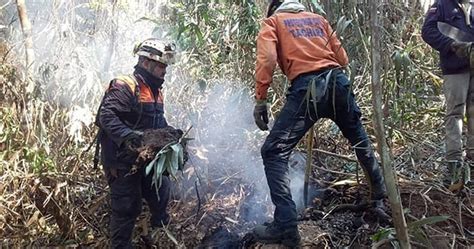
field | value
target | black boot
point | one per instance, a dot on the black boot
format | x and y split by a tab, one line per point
162	222
375	178
271	233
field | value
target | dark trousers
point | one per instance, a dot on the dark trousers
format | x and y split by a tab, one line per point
296	118
126	203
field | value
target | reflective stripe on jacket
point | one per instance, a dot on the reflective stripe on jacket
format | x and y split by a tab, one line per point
300	43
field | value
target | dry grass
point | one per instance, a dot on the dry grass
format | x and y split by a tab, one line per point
50	195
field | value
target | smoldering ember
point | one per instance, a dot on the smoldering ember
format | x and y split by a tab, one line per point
236	124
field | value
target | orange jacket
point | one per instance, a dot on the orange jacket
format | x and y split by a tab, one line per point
300	43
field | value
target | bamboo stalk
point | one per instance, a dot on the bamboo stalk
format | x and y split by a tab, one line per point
309	164
389	174
30	53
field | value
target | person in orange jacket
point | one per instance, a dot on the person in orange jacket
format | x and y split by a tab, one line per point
312	57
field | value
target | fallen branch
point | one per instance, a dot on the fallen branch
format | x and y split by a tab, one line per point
334	171
348	158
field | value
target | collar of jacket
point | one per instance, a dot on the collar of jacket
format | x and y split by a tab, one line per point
290	6
149	79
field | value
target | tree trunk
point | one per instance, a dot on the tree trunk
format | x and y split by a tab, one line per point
389	174
30	53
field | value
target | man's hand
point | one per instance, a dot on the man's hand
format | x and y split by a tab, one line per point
462	49
133	141
260	115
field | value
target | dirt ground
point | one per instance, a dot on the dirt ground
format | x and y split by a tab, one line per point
225	213
215	225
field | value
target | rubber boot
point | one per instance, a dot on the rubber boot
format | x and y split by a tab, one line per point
469	172
375	178
161	222
455	172
271	233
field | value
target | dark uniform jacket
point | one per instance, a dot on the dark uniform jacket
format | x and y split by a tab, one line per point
450	12
129	104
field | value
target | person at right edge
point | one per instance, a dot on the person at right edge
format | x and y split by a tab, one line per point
311	56
448	28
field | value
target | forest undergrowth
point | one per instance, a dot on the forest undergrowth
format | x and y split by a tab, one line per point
52	195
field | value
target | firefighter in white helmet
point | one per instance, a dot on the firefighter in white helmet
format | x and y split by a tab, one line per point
133	103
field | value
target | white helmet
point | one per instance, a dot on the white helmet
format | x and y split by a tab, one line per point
157	50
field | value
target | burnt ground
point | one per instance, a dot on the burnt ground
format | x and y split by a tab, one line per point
222	222
215	225
228	210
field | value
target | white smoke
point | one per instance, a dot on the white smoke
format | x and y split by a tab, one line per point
80	46
227	141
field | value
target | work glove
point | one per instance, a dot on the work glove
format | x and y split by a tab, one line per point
462	49
133	141
260	115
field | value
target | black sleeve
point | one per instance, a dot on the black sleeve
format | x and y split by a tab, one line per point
117	100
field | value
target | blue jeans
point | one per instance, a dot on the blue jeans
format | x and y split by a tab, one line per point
296	118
